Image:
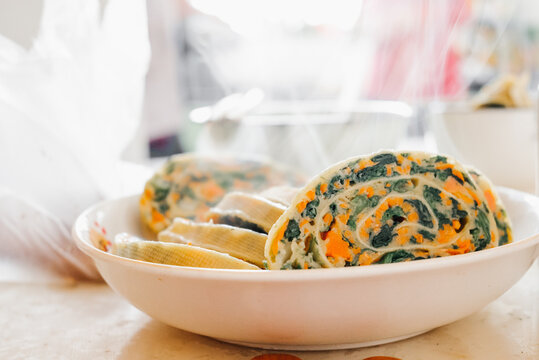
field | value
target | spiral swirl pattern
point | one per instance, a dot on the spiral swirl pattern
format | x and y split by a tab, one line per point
388	207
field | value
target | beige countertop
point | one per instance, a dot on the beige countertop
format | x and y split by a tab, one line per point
90	321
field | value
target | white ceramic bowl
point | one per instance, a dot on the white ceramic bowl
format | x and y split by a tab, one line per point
315	309
502	143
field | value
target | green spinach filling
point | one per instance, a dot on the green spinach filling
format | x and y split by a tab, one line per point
384	236
425	218
396	256
292	230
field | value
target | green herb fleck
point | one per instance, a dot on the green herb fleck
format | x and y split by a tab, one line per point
186	191
310	209
418	169
384	159
402	185
395	256
374	200
394	213
432	195
163	207
425	218
357	204
333	209
161	189
439	158
384	237
292	230
332	189
502	226
427	234
483	224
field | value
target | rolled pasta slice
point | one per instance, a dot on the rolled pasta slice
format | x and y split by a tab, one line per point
246	211
189	184
128	246
383	208
240	243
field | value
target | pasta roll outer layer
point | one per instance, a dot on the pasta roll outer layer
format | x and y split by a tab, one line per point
247	211
384	208
189	184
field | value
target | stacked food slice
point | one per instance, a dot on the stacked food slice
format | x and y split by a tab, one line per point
189	185
175	254
241	243
387	207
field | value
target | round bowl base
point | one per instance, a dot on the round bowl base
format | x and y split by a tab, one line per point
314	347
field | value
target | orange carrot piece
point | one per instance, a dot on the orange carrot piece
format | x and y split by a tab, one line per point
444	166
278	237
148	193
458	174
301	206
446	234
211	191
323	188
491	200
175	197
402	231
157	216
327	218
365	259
413	217
336	247
343	218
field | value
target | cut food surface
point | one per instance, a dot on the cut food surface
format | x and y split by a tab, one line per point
246	211
131	247
241	243
388	207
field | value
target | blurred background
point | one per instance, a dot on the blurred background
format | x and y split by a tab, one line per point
306	82
311	83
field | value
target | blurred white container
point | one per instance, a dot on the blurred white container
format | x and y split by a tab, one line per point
309	136
502	143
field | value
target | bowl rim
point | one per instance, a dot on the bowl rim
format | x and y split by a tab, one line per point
300	275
